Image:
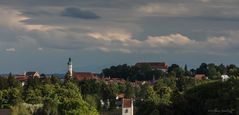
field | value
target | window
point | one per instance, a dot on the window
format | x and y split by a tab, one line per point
126	111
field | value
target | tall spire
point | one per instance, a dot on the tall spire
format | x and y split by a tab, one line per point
70	68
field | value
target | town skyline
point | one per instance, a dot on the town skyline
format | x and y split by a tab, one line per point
42	35
70	64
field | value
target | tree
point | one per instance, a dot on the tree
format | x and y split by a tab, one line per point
108	92
48	90
203	69
76	107
165	82
185	83
33	83
209	96
12	82
50	106
155	112
186	71
130	91
212	72
222	69
174	68
165	95
151	95
33	96
4	83
68	77
55	80
14	96
121	71
71	101
19	109
90	87
232	70
143	91
92	100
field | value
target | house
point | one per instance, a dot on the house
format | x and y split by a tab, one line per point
200	77
84	75
22	78
225	77
127	107
120	96
154	65
33	74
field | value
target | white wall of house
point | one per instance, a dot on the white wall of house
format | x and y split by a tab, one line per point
225	77
127	110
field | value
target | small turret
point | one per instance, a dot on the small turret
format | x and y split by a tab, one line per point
69	62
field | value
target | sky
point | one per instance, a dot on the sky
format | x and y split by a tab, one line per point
40	35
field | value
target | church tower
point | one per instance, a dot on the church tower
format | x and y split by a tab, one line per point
70	69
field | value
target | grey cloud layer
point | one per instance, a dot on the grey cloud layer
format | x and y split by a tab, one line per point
121	27
48	28
78	13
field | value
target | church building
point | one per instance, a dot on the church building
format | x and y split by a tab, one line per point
79	75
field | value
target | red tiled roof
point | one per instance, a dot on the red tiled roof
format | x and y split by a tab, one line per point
21	78
120	95
127	103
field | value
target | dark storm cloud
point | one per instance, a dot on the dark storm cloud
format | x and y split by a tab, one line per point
78	13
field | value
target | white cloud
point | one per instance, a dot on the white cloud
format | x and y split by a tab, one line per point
10	50
110	37
112	41
107	50
172	39
172	42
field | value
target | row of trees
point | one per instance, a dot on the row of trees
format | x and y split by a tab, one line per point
168	95
208	98
49	95
132	73
43	96
177	92
174	92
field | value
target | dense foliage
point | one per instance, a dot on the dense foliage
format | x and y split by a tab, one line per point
43	96
175	92
132	73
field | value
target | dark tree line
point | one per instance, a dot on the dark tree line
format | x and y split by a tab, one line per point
212	71
132	72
